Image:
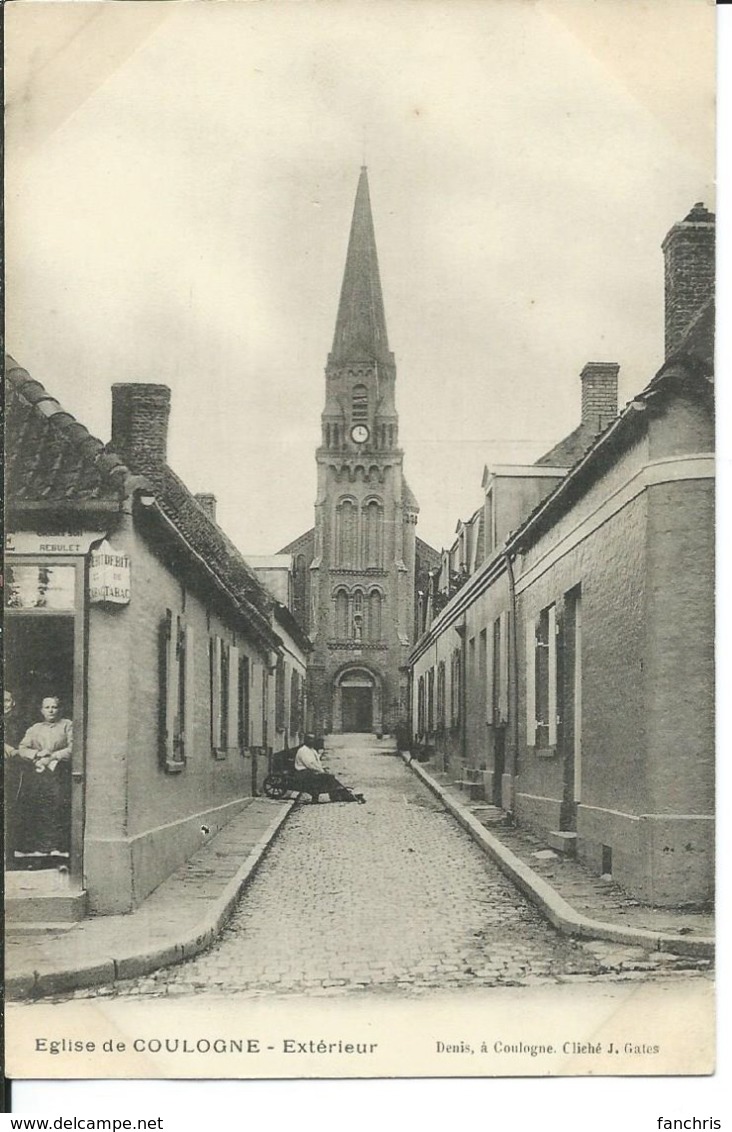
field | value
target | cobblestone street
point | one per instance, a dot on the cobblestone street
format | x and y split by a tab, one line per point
391	894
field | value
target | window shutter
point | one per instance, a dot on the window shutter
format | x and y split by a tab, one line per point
552	667
530	684
166	628
232	739
503	669
216	693
490	682
172	729
255	709
190	693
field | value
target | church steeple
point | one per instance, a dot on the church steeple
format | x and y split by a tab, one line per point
360	332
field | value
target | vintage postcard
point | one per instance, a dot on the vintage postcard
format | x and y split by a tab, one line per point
359	560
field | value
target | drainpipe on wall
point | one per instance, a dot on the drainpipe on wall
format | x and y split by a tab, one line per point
513	697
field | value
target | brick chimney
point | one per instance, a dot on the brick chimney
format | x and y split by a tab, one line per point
599	394
140	424
207	502
689	276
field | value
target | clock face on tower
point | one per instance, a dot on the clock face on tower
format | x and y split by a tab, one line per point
359	434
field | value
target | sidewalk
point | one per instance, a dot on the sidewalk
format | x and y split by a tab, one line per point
573	898
180	918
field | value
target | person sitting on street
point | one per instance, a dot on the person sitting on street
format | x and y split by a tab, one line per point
312	778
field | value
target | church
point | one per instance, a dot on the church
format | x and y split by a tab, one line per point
359	569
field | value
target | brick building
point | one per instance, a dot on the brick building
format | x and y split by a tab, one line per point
178	669
357	569
569	678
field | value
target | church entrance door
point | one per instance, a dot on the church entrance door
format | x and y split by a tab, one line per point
357	701
357	706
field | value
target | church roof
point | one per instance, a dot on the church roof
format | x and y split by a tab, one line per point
360	332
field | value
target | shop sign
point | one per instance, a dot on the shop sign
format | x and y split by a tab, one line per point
39	542
109	576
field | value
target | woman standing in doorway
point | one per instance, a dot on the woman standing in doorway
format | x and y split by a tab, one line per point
46	794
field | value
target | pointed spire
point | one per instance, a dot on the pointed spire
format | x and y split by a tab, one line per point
360	333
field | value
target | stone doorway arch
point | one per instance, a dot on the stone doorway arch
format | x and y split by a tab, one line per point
357	700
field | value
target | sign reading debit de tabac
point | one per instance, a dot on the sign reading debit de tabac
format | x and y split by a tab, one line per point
109	576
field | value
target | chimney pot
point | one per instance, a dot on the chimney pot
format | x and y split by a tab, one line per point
207	502
140	415
689	272
599	394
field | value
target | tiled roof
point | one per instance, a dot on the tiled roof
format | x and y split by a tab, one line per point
569	450
52	458
302	544
49	456
698	341
207	538
428	556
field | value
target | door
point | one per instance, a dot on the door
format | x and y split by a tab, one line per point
43	705
357	709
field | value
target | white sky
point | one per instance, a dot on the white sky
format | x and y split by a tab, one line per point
180	184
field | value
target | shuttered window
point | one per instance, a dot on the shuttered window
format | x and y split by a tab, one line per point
541	679
176	692
223	696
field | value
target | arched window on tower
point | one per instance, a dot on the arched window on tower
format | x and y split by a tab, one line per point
341	616
360	405
299	587
346	532
357	621
374	617
373	515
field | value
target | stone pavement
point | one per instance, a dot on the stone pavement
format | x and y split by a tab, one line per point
391	895
595	898
181	917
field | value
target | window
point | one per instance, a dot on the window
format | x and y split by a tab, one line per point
441	696
224	696
373	524
280	720
431	700
420	706
541	680
360	408
498	672
341	615
40	586
296	713
256	708
176	692
456	688
346	533
374	620
357	621
243	703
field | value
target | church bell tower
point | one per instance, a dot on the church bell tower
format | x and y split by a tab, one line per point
361	574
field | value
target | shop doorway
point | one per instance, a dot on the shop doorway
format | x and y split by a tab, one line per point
39	673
